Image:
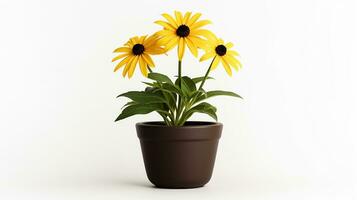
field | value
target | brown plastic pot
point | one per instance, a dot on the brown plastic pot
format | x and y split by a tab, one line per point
179	157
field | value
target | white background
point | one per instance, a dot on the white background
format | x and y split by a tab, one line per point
292	137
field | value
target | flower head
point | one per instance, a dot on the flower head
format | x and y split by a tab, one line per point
222	54
183	30
137	50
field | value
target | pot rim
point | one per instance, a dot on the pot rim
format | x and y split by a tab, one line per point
161	124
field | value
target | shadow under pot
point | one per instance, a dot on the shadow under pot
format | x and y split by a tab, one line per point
179	157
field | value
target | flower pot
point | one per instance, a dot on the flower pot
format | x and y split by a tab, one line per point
179	157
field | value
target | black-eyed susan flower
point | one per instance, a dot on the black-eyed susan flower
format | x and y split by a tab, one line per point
182	31
221	53
137	50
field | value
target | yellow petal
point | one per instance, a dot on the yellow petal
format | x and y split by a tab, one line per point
200	24
135	39
181	48
148	59
207	56
193	19
234	61
220	42
163	33
133	66
143	66
232	52
173	42
199	42
127	66
165	25
226	67
166	39
129	43
142	39
178	16
170	20
205	33
123	62
120	56
229	45
151	41
191	46
122	49
186	17
215	62
155	50
229	60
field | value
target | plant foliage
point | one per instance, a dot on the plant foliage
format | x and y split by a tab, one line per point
175	101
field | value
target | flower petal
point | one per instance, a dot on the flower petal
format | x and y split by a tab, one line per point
199	42
173	42
226	67
142	39
163	33
191	46
234	61
232	52
205	33
186	18
193	19
181	48
155	50
170	20
207	56
166	39
123	62
148	59
231	62
133	66
229	45
122	49
127	66
120	56
165	25
178	16
200	24
143	66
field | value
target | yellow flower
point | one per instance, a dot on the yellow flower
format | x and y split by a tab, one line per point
182	31
220	51
138	50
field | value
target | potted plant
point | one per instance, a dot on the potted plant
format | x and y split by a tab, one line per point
177	153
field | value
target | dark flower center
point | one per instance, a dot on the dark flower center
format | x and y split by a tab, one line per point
138	49
183	31
221	50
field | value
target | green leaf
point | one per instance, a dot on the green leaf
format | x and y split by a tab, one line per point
187	85
172	88
159	77
217	93
144	97
128	104
140	109
150	84
199	79
204	108
168	95
198	93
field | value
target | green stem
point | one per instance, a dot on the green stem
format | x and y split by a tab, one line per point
206	75
179	71
182	121
149	69
179	104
